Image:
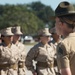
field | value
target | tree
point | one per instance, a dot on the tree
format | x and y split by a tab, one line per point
20	14
42	11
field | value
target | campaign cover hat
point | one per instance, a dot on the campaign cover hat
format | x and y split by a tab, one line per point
17	30
44	32
6	32
64	8
53	30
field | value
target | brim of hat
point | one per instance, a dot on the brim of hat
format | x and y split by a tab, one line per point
46	35
8	34
70	13
18	34
53	17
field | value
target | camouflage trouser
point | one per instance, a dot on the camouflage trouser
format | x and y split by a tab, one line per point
21	71
45	71
8	72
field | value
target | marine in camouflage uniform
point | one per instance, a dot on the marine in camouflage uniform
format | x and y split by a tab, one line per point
56	40
9	54
65	23
43	54
21	64
0	39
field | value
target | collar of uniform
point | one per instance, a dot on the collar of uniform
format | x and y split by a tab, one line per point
44	45
72	34
48	45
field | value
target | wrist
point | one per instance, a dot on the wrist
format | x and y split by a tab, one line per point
33	71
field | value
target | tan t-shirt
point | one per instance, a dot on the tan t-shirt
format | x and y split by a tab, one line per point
66	53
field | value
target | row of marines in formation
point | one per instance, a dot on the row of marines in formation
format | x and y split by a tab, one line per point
13	60
45	52
12	53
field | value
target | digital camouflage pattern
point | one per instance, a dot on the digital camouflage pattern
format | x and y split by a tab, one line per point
42	54
9	60
21	64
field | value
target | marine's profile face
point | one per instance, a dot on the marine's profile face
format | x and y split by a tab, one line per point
8	38
16	37
45	39
55	36
58	26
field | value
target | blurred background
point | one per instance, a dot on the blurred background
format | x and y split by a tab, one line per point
31	15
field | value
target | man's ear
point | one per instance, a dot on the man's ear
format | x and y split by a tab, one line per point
62	24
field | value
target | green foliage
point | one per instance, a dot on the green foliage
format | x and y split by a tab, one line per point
30	17
74	5
19	14
42	11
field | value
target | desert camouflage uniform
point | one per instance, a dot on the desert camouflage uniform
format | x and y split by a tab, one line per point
21	64
44	55
8	60
56	69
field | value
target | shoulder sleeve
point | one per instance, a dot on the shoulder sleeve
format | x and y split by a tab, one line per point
62	56
54	47
32	54
0	51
